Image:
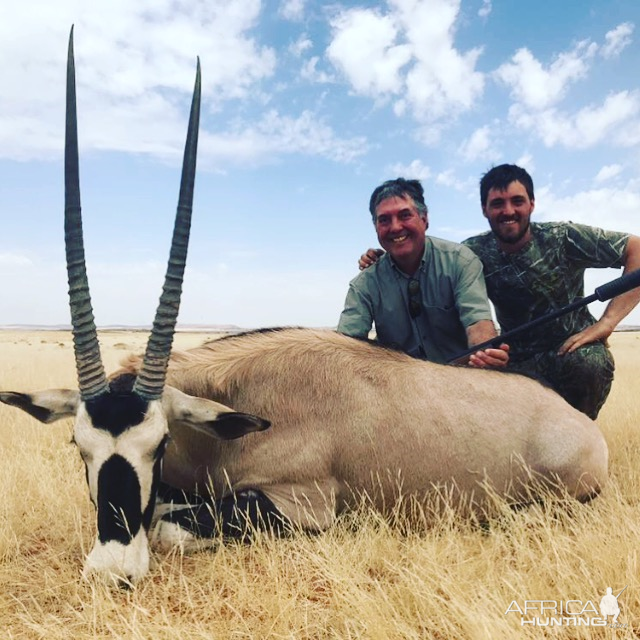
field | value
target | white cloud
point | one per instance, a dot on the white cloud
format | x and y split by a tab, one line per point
364	49
302	44
607	172
292	10
311	72
407	54
479	145
416	169
538	88
259	141
449	179
485	9
617	39
615	121
526	162
135	65
608	208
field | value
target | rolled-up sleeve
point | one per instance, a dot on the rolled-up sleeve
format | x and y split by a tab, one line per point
356	318
594	247
471	291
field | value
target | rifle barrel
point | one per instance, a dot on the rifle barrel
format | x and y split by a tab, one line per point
602	293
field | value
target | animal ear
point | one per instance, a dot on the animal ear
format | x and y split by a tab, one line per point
46	406
232	425
209	417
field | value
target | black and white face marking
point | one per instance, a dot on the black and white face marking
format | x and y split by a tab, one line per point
122	439
122	447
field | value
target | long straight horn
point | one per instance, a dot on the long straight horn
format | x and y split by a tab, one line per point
150	381
91	378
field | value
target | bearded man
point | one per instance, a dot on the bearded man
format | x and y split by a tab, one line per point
532	269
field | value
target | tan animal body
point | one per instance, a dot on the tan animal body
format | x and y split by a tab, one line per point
351	418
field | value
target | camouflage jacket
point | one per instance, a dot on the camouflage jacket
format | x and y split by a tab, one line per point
547	274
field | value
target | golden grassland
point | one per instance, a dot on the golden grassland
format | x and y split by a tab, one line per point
453	580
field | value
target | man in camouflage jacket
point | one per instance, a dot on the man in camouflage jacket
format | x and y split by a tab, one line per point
532	269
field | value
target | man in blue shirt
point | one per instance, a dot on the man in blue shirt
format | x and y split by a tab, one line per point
426	296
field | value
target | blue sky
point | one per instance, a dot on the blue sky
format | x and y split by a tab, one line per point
307	106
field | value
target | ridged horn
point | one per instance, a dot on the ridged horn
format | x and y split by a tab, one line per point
150	381
91	377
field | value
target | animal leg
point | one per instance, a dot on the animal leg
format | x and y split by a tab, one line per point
169	495
235	517
169	499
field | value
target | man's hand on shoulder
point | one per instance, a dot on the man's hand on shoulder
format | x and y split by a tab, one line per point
371	256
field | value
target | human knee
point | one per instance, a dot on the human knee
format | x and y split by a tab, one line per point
591	365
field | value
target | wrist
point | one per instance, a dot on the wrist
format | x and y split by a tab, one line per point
606	326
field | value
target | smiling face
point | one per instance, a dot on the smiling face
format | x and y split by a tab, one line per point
509	214
401	228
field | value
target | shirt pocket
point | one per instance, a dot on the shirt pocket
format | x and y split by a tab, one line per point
444	321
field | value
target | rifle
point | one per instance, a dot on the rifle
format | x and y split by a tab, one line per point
602	293
620	593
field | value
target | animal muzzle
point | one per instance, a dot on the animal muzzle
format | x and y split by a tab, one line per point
117	563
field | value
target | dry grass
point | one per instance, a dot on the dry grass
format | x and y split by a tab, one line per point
370	581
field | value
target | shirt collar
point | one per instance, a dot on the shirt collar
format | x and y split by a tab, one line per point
398	270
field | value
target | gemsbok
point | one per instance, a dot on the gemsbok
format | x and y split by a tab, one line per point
284	429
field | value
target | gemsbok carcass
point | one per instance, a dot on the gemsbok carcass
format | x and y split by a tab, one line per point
284	429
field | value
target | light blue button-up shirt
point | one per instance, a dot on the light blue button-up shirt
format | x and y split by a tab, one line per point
452	297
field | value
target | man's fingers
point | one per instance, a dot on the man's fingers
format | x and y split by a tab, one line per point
490	357
364	262
369	257
580	339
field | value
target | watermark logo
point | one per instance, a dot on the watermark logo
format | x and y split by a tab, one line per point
566	613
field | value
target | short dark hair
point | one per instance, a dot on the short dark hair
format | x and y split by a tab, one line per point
398	188
501	177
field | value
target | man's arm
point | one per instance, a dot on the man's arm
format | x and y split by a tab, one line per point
480	332
356	318
616	310
473	306
477	333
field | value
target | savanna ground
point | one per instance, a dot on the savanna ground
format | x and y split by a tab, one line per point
453	580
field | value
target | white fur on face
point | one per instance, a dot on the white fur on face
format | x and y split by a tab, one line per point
115	561
138	445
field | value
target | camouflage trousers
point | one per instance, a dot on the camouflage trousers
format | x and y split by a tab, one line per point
583	378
